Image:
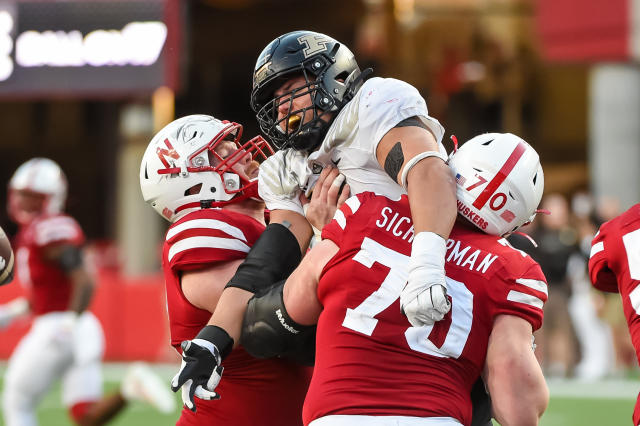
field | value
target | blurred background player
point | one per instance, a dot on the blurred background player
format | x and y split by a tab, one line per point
66	340
614	266
350	284
196	175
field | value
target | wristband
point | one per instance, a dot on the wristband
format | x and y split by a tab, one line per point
216	336
427	256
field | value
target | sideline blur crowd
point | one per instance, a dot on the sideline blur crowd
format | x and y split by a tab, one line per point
584	334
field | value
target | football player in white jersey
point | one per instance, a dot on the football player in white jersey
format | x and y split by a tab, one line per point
313	104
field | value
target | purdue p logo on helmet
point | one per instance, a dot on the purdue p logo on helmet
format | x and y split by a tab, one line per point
499	182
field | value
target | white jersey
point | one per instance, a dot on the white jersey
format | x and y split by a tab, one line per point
350	145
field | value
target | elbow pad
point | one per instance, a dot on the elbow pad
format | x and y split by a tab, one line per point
268	330
272	258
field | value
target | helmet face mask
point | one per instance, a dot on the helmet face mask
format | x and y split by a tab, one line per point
37	187
499	182
302	126
330	79
196	162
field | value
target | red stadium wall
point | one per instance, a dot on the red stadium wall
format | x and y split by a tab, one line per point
585	30
132	312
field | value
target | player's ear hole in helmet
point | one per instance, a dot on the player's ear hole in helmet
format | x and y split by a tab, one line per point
329	77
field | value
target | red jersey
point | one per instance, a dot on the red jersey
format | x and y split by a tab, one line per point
48	285
614	266
253	391
369	359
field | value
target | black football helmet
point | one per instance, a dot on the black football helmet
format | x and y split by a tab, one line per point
332	78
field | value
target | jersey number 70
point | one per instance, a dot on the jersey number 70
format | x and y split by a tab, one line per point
362	318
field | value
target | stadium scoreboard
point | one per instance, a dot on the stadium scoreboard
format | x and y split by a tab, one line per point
88	48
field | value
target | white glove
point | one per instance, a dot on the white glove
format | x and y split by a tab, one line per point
11	310
424	299
281	178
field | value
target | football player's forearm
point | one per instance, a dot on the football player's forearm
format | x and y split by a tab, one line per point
230	311
511	366
432	197
513	407
297	224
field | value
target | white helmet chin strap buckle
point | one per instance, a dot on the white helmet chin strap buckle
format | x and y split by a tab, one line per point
231	181
183	170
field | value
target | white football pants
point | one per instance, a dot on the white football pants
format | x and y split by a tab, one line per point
49	351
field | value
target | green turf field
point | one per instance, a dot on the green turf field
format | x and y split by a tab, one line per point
572	403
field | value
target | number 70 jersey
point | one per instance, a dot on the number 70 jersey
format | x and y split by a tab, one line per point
369	359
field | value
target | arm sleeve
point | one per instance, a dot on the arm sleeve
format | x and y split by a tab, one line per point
522	296
387	103
280	180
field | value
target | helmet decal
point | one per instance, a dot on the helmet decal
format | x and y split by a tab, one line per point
502	174
499	182
314	43
169	152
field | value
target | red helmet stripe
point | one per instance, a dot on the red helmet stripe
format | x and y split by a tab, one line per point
500	176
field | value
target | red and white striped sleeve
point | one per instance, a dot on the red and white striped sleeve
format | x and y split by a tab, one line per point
198	241
523	296
54	230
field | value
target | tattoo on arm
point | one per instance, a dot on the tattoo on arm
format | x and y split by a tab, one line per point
412	122
394	161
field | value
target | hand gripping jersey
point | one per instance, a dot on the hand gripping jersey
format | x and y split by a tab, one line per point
48	285
614	266
369	359
253	391
350	145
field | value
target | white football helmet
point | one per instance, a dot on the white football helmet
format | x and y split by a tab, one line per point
40	176
499	182
178	175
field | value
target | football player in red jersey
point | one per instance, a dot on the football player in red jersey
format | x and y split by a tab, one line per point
614	266
199	177
372	366
66	340
313	103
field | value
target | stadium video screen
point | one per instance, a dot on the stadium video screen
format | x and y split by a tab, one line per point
87	48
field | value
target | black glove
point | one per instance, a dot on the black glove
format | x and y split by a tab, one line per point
201	368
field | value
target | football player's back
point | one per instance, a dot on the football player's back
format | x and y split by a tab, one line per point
416	371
